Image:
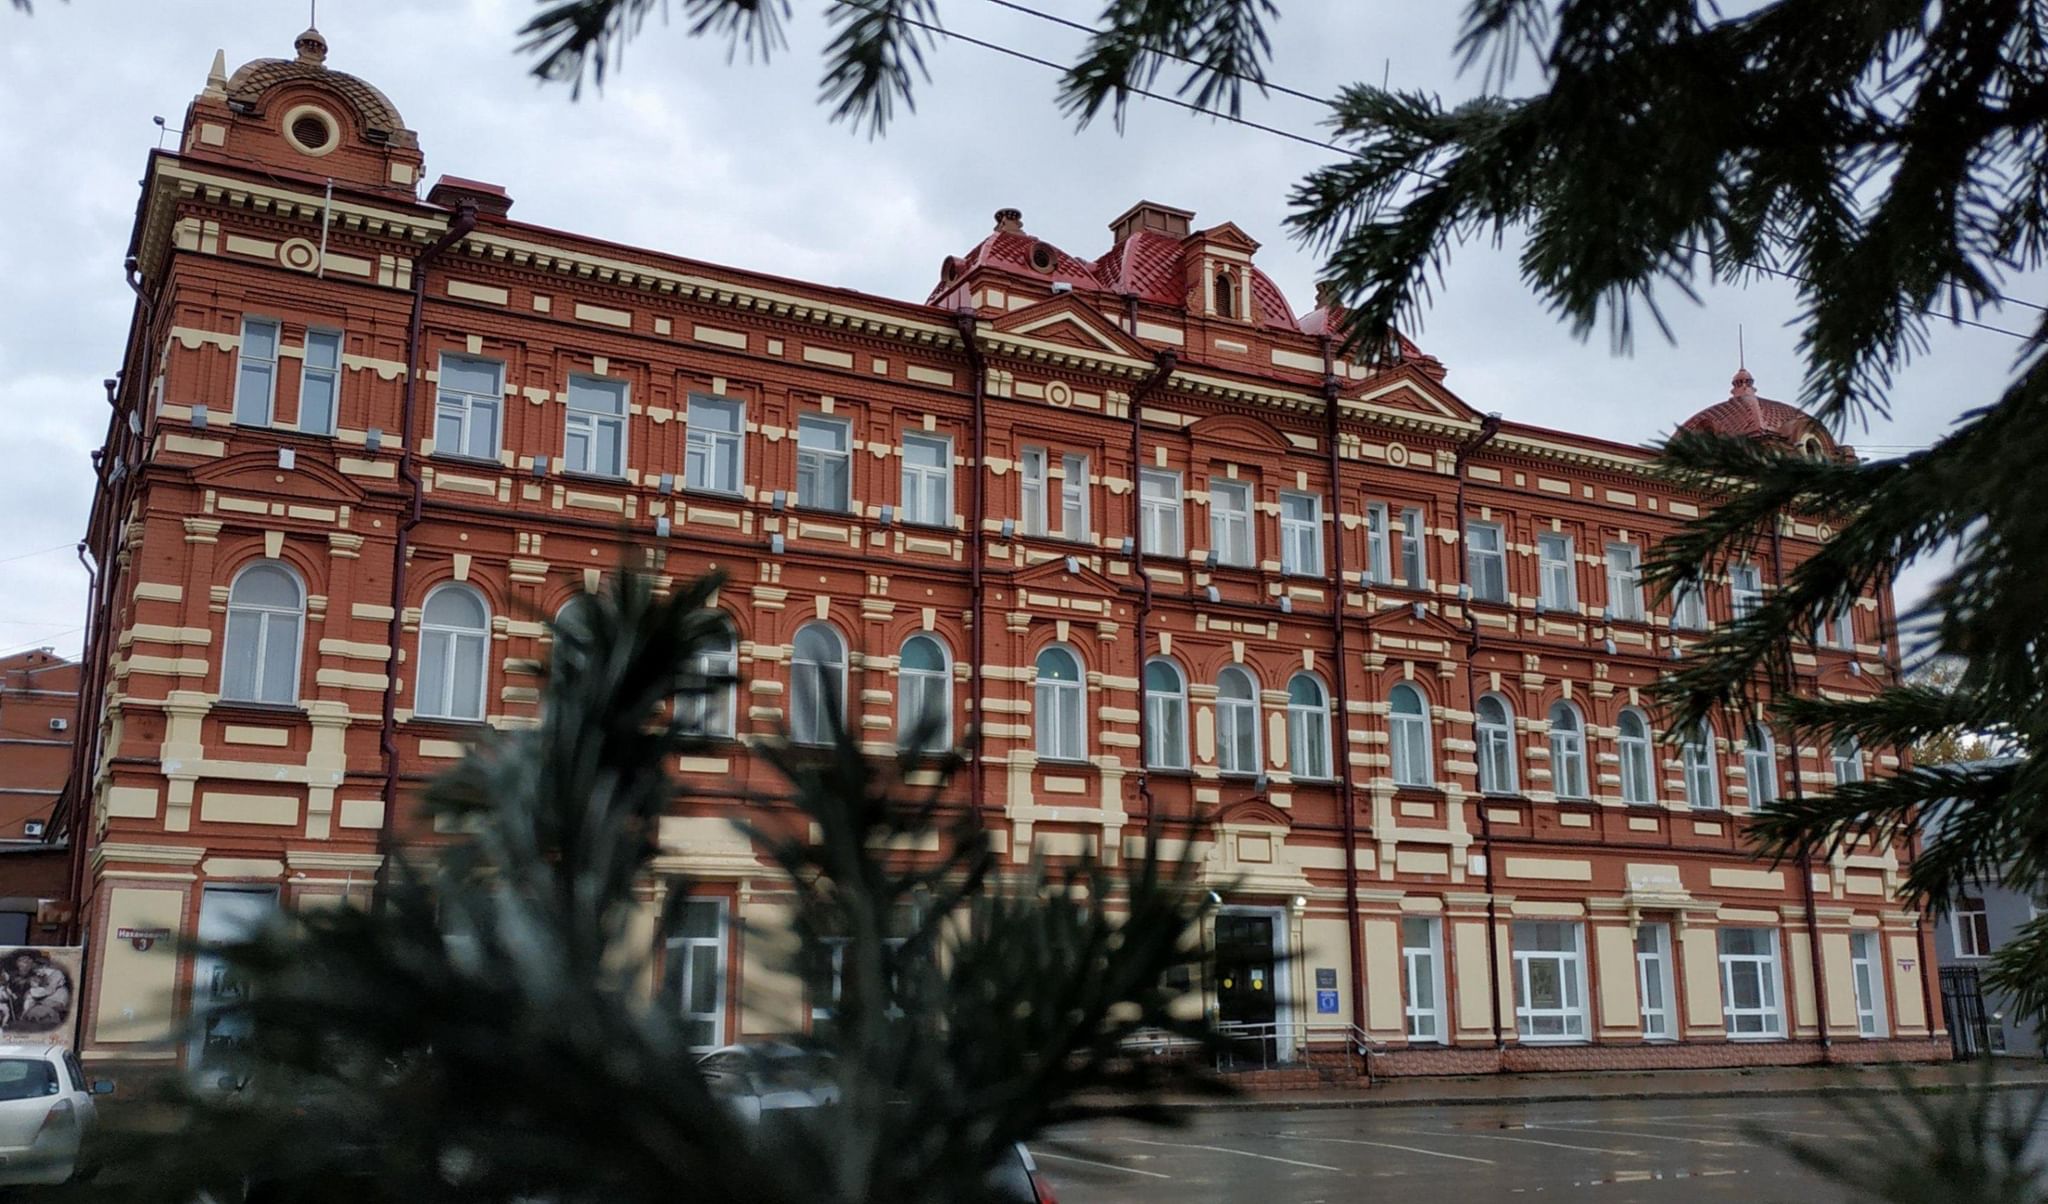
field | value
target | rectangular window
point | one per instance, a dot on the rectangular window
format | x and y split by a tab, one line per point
1074	484
467	404
1844	634
1412	567
1745	589
320	382
1550	981
1378	565
712	461
1846	759
1486	562
256	373
1559	580
1689	607
1760	770
1866	972
1301	534
1230	522
824	463
1422	965
1625	582
1749	983
928	480
1972	925
1696	754
1653	981
594	434
1159	506
1031	480
693	971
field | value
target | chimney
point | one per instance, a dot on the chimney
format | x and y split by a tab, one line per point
1149	215
450	191
1009	221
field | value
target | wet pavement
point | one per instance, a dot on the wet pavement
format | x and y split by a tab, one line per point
1607	1151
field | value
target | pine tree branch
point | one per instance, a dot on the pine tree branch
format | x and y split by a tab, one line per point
1223	44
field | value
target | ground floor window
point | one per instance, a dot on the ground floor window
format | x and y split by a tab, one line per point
1550	981
226	913
1866	972
694	971
1749	982
1422	963
1653	981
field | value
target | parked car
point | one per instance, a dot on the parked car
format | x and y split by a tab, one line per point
46	1106
1017	1179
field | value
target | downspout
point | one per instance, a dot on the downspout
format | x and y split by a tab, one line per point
408	475
80	819
1813	960
1161	372
1340	676
1488	428
1894	658
977	518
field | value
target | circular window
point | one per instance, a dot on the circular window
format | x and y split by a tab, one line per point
312	130
1042	257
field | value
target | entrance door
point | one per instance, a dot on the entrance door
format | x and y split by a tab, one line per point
1247	999
1962	1007
226	913
695	971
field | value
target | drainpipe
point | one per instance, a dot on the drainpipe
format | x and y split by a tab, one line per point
465	221
1814	968
1162	371
977	517
1488	428
1340	752
1894	657
79	821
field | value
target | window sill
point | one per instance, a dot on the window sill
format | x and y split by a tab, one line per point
460	458
1553	1040
1066	762
257	710
824	511
1170	771
593	478
450	723
731	495
1755	1038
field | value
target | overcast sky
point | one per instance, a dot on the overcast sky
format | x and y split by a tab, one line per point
734	163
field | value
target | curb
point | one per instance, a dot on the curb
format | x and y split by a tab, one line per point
1279	1103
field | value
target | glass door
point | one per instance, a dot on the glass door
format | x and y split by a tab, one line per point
694	971
226	913
1653	981
1866	972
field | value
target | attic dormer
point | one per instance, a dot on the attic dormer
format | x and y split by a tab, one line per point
1219	274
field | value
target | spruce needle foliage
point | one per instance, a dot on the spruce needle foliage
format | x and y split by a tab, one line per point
488	1031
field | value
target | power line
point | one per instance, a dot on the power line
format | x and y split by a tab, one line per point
1268	85
38	552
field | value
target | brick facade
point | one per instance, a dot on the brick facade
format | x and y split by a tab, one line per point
922	500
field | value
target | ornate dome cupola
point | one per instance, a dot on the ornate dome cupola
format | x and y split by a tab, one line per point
297	115
1746	415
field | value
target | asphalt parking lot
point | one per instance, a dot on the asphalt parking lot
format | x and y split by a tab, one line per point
1610	1152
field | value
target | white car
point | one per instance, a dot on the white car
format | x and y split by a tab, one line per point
46	1106
768	1077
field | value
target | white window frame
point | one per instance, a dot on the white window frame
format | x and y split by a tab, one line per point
1031	490
1760	765
1378	564
1301	538
1159	507
1166	712
1625	582
1486	561
713	714
1638	759
1557	572
262	617
928	488
1308	731
711	455
676	951
591	424
1414	561
919	691
329	375
1076	485
1765	1021
1409	737
815	462
1745	589
1496	746
1422	966
810	720
1230	523
1574	1023
1702	782
1866	980
1978	925
1653	969
1845	627
1845	760
1568	776
1237	718
454	637
469	408
1689	606
251	410
1059	708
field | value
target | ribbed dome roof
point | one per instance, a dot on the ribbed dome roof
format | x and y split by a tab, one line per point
378	115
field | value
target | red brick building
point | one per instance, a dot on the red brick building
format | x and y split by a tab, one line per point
1129	517
38	703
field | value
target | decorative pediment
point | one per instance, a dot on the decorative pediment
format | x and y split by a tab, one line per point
1254	812
1067	574
1236	430
1228	235
1432	624
1068	320
1410	391
257	472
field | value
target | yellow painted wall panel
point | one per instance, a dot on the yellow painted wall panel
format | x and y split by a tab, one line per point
1616	950
136	984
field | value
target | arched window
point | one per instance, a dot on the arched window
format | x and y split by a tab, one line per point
1697	753
1760	765
924	695
716	665
1638	766
1848	761
266	613
817	684
1567	751
1058	699
1408	726
1496	730
1308	727
1237	721
1226	295
1166	715
455	642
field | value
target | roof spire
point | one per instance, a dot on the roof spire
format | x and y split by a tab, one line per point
312	47
217	76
